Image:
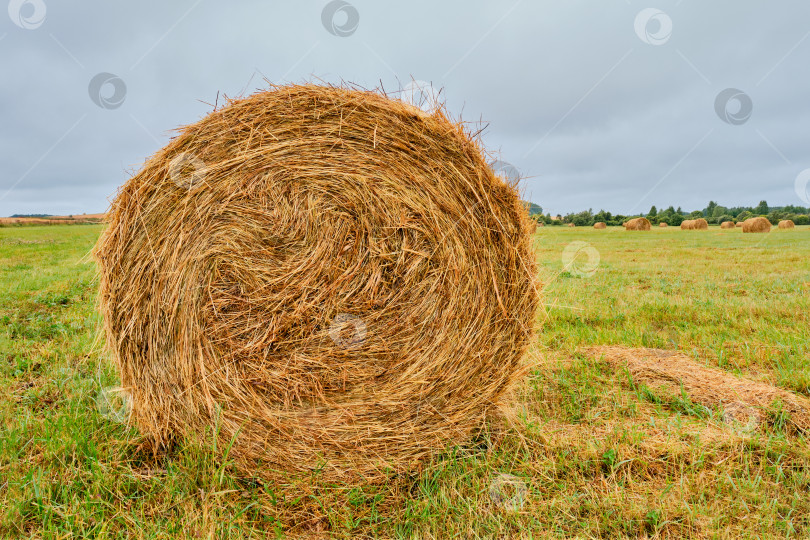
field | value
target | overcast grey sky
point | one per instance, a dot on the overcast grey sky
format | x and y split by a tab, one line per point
600	104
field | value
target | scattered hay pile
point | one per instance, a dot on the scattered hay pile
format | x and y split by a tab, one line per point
727	225
599	225
699	224
669	371
663	224
334	279
532	227
638	224
756	224
787	224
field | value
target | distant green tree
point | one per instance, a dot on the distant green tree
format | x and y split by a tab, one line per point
762	208
709	210
680	212
696	214
653	212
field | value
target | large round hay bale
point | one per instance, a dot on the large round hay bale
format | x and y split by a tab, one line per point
787	224
727	225
331	279
638	224
599	225
756	224
699	224
663	224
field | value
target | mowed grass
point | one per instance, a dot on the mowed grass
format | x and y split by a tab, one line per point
599	456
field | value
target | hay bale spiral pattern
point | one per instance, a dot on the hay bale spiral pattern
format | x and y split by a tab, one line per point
334	279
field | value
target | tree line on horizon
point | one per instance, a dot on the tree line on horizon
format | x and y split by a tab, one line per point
714	213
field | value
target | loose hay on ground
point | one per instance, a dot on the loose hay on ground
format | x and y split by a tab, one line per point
671	371
332	279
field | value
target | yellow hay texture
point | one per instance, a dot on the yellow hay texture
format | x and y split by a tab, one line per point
332	279
727	225
599	225
787	224
663	224
638	224
699	224
756	224
671	372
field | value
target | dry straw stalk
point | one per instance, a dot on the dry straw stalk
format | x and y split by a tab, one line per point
333	279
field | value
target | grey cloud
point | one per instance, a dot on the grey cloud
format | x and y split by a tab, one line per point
590	114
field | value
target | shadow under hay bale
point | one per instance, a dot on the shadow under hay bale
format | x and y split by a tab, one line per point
332	279
669	372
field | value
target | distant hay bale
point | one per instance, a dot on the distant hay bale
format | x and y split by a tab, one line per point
738	224
756	225
571	225
638	224
727	225
699	224
599	225
670	371
787	224
332	280
663	224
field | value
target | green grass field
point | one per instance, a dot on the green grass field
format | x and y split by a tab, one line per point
599	457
